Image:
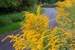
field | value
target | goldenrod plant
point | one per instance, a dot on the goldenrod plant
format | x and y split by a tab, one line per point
64	18
63	13
56	39
38	36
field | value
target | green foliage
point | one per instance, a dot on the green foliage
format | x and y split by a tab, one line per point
10	18
10	28
50	1
5	21
32	2
9	3
19	5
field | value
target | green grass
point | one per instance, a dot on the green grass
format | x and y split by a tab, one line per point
6	19
10	22
9	28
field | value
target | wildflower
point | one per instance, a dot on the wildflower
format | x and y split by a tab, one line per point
36	34
35	21
19	43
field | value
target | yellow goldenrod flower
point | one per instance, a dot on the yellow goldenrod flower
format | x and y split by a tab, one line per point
38	36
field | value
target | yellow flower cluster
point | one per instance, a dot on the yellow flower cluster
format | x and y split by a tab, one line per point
34	25
66	3
37	36
33	37
63	13
36	22
57	39
48	39
40	40
63	6
19	42
64	19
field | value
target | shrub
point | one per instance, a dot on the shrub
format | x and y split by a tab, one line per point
9	3
16	5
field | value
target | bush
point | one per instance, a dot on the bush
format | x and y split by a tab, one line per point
16	5
9	3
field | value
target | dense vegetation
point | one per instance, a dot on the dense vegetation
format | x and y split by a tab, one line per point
38	36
